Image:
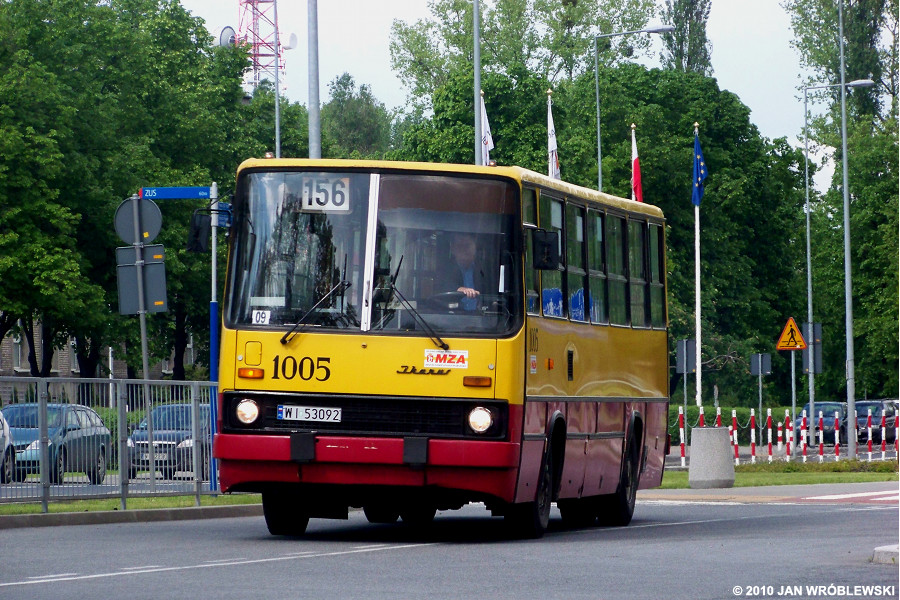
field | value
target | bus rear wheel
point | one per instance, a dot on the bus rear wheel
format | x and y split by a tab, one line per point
418	515
285	513
617	509
378	513
580	512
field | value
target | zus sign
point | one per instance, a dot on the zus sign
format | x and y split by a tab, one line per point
447	359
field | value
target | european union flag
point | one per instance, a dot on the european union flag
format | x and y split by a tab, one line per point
700	173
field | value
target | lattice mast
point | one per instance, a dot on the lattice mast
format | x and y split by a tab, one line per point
257	26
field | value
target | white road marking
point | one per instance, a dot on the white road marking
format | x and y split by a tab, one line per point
234	562
859	495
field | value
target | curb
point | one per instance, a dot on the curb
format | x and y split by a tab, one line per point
130	516
886	555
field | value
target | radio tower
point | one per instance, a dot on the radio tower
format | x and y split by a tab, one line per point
257	27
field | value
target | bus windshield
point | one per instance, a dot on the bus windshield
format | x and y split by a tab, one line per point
395	253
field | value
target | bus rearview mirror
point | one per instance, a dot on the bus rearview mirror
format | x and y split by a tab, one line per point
546	249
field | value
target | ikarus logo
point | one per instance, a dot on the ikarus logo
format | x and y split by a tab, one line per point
447	359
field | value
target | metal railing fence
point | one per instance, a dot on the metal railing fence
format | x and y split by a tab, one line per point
77	439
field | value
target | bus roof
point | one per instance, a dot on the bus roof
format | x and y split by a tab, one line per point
517	173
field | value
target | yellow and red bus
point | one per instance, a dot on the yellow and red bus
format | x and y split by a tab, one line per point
364	365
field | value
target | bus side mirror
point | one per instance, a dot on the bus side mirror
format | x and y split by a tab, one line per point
546	249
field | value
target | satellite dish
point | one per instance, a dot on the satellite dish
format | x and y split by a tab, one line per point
292	42
225	36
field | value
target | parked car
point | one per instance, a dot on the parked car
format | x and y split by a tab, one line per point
886	407
7	452
173	441
827	408
79	441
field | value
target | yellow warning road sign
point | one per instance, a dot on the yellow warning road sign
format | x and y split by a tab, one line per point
791	338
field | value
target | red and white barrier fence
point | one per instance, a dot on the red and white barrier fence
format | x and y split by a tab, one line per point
790	440
837	436
821	437
869	431
752	436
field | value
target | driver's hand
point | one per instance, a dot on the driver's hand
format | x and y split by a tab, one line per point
469	292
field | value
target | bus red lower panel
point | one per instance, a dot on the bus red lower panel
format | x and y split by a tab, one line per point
470	465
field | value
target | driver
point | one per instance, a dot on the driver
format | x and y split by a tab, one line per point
466	276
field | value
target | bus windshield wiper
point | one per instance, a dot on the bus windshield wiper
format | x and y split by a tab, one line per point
340	286
431	332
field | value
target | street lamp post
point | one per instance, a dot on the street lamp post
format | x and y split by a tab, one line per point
659	29
809	306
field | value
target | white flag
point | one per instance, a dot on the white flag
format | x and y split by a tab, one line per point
553	162
487	142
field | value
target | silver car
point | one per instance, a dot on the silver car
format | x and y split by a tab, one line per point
7	452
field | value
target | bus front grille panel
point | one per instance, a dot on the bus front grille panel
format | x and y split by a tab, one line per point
368	415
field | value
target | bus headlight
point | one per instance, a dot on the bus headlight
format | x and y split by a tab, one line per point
247	411
480	419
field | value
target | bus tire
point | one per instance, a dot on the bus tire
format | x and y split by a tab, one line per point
530	519
418	515
285	513
578	512
378	513
618	508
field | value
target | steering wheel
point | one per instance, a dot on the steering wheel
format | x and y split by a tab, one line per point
446	300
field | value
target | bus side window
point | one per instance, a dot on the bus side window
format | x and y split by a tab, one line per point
616	252
599	306
575	277
532	277
637	273
657	277
552	292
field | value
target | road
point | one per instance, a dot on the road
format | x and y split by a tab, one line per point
677	548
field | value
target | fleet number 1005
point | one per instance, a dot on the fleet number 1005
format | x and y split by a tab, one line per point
305	368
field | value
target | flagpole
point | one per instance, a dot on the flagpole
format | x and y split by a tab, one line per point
477	87
697	286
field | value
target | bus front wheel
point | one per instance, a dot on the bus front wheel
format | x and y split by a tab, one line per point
285	513
530	520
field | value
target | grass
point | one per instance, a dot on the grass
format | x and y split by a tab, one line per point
133	504
798	473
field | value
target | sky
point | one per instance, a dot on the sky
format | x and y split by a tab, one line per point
751	52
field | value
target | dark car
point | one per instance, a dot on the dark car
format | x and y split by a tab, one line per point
827	408
79	441
888	408
7	453
173	441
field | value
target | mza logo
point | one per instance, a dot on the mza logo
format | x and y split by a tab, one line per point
447	359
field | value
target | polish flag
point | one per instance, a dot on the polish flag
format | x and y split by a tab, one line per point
637	193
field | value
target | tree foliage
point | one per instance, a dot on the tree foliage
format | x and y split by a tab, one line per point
687	48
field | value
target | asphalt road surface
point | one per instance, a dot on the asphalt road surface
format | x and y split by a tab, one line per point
680	548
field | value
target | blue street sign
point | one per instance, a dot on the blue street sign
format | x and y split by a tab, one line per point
175	193
224	215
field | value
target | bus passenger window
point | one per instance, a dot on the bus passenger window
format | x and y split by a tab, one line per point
575	262
616	252
637	273
552	293
529	216
597	268
657	277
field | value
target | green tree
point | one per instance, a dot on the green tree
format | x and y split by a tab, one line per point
547	38
687	48
354	123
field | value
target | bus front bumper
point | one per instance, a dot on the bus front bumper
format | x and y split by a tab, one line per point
485	467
